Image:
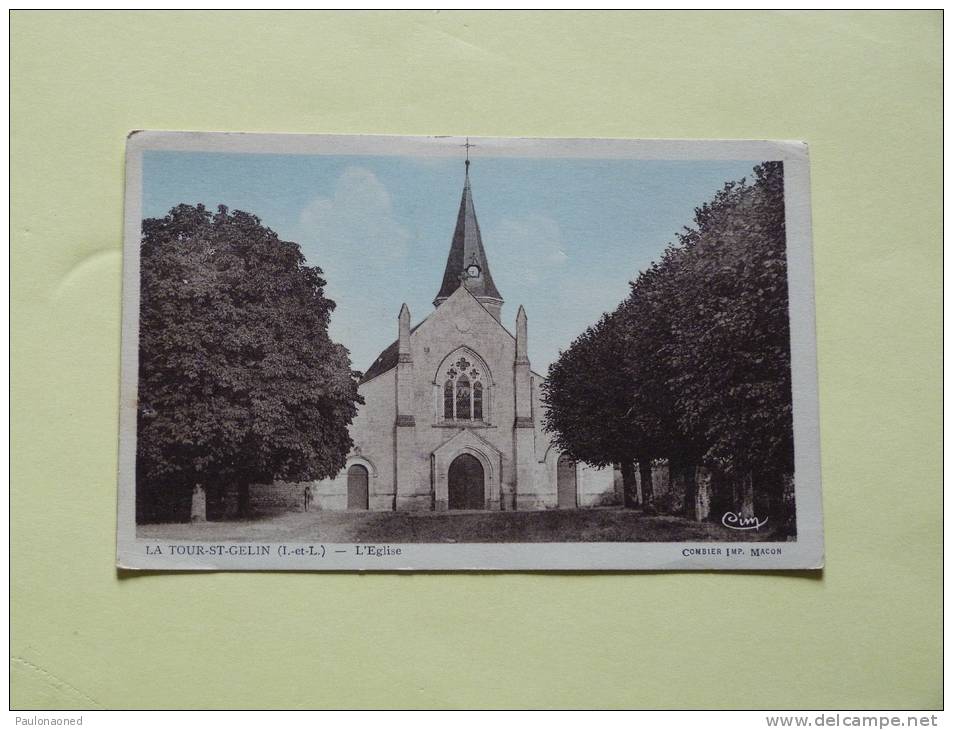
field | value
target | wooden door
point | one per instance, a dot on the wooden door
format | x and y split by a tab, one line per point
566	482
357	487
465	483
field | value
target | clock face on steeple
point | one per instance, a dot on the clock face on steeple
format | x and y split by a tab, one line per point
473	271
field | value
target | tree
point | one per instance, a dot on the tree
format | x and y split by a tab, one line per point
732	349
239	382
589	412
694	366
648	327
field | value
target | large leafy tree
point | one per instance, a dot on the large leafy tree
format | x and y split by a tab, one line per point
694	366
239	382
608	395
588	397
649	327
731	349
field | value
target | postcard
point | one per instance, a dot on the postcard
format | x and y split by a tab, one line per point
455	353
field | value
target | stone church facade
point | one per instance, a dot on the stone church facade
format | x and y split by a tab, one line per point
452	417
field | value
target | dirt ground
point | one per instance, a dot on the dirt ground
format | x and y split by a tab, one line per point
580	525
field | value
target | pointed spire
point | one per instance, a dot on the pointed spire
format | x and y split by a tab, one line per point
467	264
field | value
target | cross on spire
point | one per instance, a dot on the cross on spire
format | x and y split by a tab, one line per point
468	146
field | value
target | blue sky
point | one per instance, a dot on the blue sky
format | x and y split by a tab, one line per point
563	236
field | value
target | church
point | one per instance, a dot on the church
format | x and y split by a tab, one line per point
452	417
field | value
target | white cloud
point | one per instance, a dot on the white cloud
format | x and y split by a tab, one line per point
354	236
357	221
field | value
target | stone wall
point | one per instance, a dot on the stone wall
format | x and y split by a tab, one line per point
266	499
277	498
598	487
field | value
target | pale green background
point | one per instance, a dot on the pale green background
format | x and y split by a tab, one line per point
863	89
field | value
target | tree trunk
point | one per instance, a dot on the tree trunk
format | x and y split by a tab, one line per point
678	486
746	509
214	500
244	500
722	492
790	508
648	494
703	493
630	498
173	502
783	511
690	505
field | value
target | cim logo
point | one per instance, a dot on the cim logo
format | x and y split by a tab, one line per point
737	522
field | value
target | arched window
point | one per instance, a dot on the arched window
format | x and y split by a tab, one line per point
478	401
463	398
448	400
464	392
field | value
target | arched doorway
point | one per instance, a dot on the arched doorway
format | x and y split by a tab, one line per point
566	482
357	487
465	483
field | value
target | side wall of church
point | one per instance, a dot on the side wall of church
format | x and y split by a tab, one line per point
373	435
595	486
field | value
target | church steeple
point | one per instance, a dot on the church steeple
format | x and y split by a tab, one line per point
467	264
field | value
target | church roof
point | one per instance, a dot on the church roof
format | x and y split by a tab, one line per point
386	360
466	250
